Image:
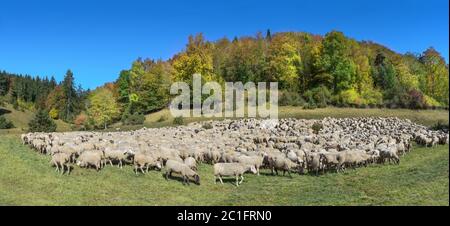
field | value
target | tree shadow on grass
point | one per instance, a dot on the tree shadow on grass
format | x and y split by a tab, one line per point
4	111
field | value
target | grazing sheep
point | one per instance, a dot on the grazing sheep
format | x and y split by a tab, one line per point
389	154
291	155
24	138
314	161
177	158
282	163
91	158
191	162
69	149
144	160
173	166
341	143
256	161
232	169
60	160
213	156
39	145
228	157
120	156
331	160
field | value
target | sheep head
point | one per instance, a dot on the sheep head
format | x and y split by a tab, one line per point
197	179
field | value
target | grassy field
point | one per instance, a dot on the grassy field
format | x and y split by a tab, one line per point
26	178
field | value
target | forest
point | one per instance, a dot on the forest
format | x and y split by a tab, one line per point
313	71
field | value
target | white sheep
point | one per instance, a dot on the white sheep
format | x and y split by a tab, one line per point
142	160
282	163
91	158
191	162
60	160
232	169
255	160
389	154
173	166
120	156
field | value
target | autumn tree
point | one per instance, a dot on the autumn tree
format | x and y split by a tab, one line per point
103	107
81	121
436	77
197	58
284	62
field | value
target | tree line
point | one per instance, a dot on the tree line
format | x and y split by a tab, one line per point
45	96
312	71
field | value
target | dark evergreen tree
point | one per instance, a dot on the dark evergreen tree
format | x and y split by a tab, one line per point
69	109
5	124
268	35
4	84
42	123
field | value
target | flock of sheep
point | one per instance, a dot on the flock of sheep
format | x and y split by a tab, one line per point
236	147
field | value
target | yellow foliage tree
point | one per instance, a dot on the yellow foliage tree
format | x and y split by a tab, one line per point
53	113
103	107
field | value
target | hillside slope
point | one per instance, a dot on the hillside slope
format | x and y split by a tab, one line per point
20	119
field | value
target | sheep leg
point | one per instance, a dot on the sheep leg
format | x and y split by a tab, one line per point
110	162
62	167
220	178
135	169
242	179
167	175
237	181
142	170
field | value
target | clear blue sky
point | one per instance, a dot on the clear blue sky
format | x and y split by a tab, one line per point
97	39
